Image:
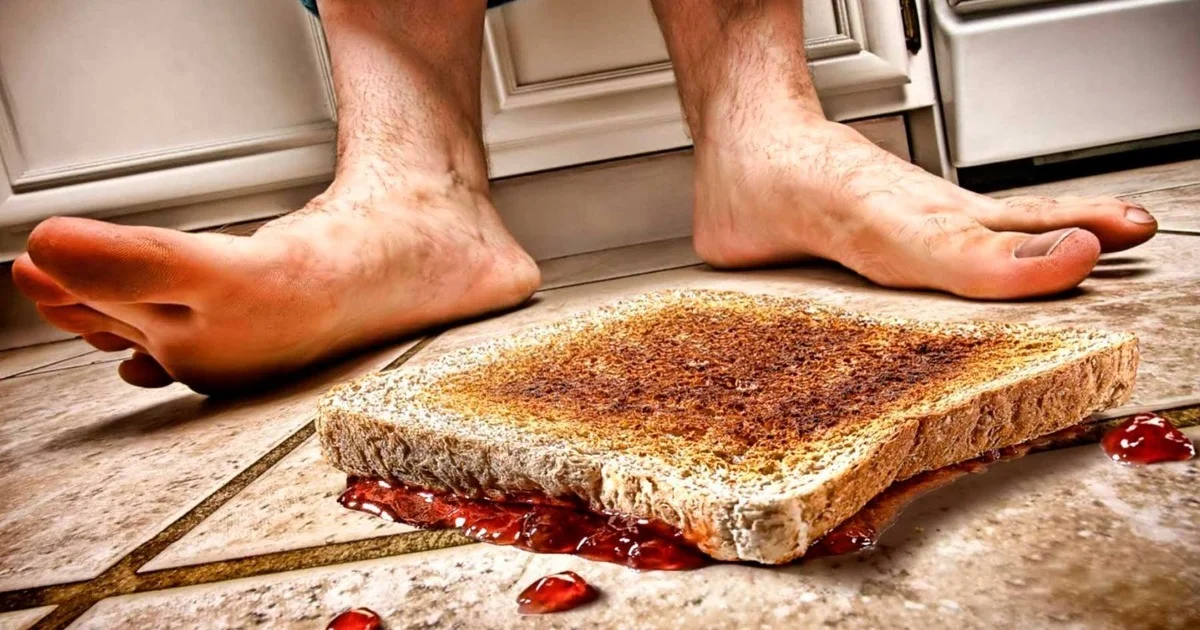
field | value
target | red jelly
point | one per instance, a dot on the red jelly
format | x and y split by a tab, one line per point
544	525
1147	438
529	523
555	593
356	619
849	537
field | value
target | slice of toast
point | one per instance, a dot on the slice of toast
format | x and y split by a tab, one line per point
752	423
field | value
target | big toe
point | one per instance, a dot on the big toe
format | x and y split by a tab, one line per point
37	285
99	261
143	371
1117	224
980	263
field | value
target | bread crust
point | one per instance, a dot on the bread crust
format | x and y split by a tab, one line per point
391	425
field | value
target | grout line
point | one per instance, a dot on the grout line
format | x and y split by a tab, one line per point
1094	428
412	350
122	578
40	371
1125	196
1178	403
44	366
657	241
619	277
306	558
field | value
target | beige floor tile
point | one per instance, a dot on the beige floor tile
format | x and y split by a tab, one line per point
23	360
617	263
1120	183
292	506
1061	538
91	467
1150	290
1175	208
22	619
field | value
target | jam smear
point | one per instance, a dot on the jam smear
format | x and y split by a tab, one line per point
1147	438
356	619
545	525
555	593
531	523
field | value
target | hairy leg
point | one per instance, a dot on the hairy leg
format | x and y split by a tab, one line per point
404	238
776	181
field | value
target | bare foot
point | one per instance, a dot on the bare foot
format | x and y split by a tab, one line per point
777	182
404	239
792	185
220	312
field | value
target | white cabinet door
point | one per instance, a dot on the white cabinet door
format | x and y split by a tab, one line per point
571	81
112	107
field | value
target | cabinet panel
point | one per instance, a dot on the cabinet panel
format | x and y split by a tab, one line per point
550	40
571	81
96	89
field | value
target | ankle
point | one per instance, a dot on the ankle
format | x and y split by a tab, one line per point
732	120
439	144
733	59
371	178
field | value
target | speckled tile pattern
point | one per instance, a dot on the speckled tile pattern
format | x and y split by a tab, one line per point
24	360
22	619
91	467
1138	290
1064	538
293	505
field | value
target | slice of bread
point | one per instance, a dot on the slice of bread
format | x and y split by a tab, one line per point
752	423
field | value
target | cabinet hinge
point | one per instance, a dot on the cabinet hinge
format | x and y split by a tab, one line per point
912	25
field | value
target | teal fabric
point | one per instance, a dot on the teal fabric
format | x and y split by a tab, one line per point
311	5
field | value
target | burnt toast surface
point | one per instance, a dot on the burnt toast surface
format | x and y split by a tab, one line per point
730	381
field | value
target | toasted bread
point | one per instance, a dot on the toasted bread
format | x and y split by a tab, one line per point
752	423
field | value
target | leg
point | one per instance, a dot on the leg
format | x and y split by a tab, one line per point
777	182
404	238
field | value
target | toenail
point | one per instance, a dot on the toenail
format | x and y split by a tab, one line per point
1042	244
1138	214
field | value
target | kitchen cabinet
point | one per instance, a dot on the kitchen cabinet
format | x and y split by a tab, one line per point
192	114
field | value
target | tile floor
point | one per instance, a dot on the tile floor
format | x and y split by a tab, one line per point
21	619
132	508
